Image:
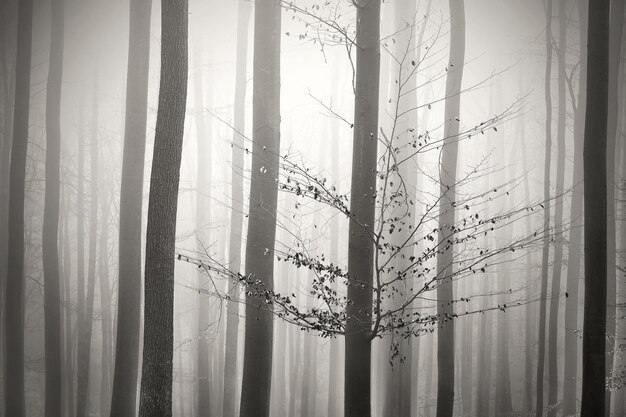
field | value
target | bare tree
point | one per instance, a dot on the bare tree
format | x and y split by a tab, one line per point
447	181
14	295
52	289
124	395
158	349
594	157
259	261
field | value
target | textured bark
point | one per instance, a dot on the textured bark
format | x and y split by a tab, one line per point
615	50
571	344
124	396
14	305
358	347
541	340
595	204
259	261
203	216
158	349
52	285
447	181
85	324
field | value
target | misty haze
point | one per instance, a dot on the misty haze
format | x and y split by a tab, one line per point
312	208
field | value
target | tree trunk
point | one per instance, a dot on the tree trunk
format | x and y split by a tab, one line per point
257	363
14	305
358	347
124	396
595	206
156	372
105	309
244	10
68	310
52	291
570	376
203	216
447	181
555	293
546	217
86	323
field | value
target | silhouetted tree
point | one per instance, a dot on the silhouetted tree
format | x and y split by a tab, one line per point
594	157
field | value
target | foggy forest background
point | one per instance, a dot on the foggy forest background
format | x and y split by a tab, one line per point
312	208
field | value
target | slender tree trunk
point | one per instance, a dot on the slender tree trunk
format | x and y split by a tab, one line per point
52	291
447	181
86	324
68	310
105	309
124	396
14	297
156	372
203	216
257	365
546	218
555	293
615	52
571	343
244	10
595	206
358	346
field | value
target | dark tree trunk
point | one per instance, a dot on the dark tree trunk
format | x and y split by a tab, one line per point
52	289
447	183
571	344
257	362
358	346
158	349
595	206
541	340
14	296
68	376
124	396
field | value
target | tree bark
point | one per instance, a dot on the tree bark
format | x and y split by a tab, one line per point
595	206
358	346
158	350
124	396
14	302
259	262
105	308
50	233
